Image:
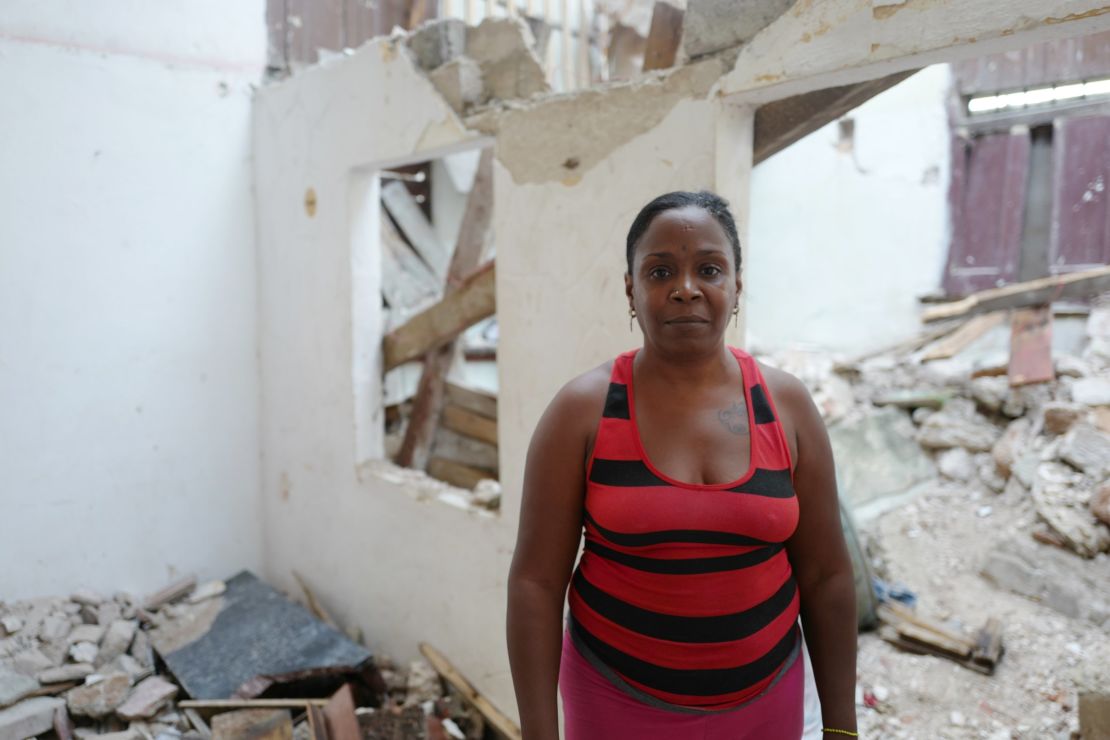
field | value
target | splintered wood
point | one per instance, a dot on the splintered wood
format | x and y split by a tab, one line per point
916	634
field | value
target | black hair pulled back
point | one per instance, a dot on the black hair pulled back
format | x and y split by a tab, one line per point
711	203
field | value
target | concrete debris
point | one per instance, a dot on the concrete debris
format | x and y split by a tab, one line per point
11	624
147	698
1004	450
1100	503
209	590
86	633
503	49
1091	391
876	455
84	652
1060	416
958	424
423	683
438	42
14	685
31	661
66	673
117	640
716	25
957	464
86	597
100	698
1088	450
29	718
459	82
1062	503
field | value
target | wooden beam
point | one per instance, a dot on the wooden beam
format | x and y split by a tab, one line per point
419	435
1031	346
456	473
439	324
472	399
1034	292
500	723
475	453
406	280
783	122
469	424
664	37
955	342
412	221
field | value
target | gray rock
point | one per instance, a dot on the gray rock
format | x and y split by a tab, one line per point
1091	391
87	597
108	612
1100	503
67	672
1005	450
958	425
876	456
101	698
30	717
117	639
1048	575
715	25
130	666
11	624
54	627
31	661
1087	449
437	42
14	685
990	392
459	82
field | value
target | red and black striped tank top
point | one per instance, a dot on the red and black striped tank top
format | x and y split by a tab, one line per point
684	595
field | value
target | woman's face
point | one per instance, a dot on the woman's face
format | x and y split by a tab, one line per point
684	282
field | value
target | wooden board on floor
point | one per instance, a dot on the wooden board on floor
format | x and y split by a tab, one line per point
1031	346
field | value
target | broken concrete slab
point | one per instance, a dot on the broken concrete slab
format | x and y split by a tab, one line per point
86	633
54	627
1087	449
84	652
67	672
877	457
715	25
29	718
503	49
30	662
1063	505
438	42
459	82
117	639
956	464
147	698
958	424
86	597
257	637
101	698
14	685
11	624
1091	391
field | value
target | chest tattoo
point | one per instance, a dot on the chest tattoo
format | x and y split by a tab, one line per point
734	418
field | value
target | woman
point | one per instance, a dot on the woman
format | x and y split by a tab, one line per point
705	485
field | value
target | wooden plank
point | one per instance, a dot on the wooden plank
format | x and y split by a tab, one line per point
174	591
781	123
406	280
317	723
340	715
253	724
1031	346
959	648
469	424
415	227
439	324
501	724
664	36
250	703
453	446
955	342
1080	227
895	614
1031	293
457	474
988	644
469	246
313	605
480	402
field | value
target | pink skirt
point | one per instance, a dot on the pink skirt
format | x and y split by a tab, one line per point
595	709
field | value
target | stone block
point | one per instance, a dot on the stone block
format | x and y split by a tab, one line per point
956	464
437	42
1100	503
1091	391
29	662
459	82
54	627
29	718
87	597
86	633
877	457
14	685
1087	449
715	25
1063	505
84	652
147	698
101	698
11	624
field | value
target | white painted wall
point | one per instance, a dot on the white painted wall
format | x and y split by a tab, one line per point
844	242
128	368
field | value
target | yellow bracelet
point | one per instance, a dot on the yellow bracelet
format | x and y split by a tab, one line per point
849	733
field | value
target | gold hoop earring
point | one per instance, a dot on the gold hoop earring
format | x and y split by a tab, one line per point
631	317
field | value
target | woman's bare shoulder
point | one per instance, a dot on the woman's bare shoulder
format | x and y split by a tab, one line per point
585	393
786	389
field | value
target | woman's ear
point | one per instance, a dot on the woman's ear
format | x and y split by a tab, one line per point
628	287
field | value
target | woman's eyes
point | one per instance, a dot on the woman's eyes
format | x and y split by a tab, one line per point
712	270
658	273
662	273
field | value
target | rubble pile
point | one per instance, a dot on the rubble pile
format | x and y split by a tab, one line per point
117	667
984	501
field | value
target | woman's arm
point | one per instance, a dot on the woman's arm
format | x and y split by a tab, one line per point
547	543
821	563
